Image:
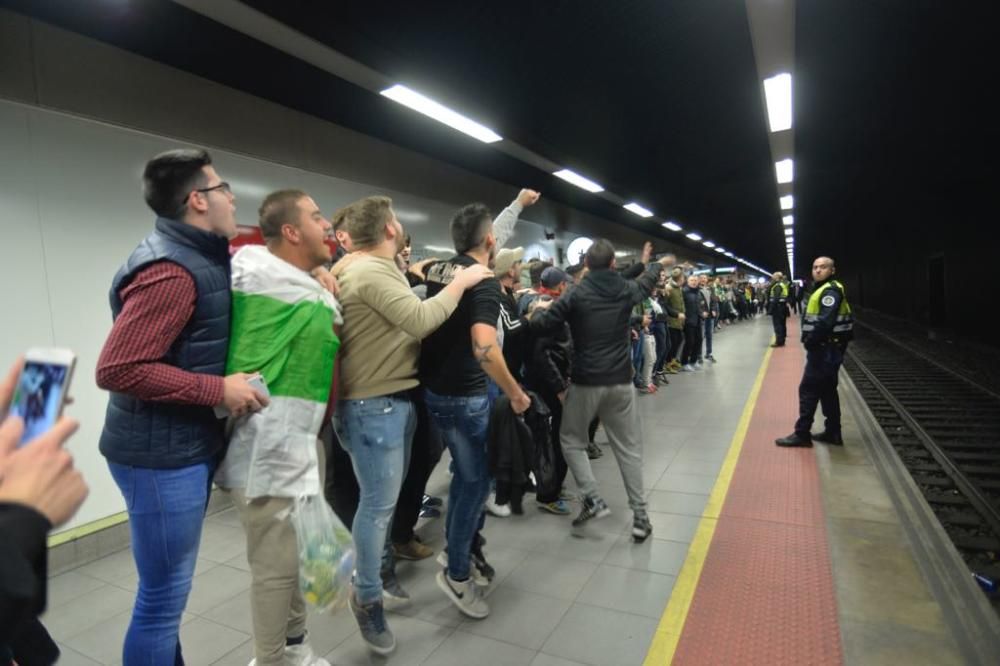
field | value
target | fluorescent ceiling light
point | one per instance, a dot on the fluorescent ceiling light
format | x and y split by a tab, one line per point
693	236
789	232
728	254
440	113
638	210
673	226
784	170
787	202
578	180
778	91
720	250
439	248
708	244
788	220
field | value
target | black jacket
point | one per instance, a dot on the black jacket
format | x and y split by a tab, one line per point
548	365
598	312
23	584
515	443
515	334
694	305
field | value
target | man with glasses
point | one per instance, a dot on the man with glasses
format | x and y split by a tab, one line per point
827	327
164	364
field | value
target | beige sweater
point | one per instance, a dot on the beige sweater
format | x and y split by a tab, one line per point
384	323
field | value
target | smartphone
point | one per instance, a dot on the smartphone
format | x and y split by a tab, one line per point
257	381
42	389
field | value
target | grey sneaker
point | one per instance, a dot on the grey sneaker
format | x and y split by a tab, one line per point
478	576
465	595
641	527
593	507
374	630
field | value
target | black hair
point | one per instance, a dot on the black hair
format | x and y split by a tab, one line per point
536	270
470	227
169	178
600	254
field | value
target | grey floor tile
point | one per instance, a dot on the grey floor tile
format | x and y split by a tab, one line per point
688	504
415	641
228	517
519	617
234	613
70	585
205	641
542	659
103	642
587	544
673	526
697	454
236	562
70	657
465	649
551	576
218	585
600	636
704	467
238	656
221	542
628	590
327	631
686	483
664	557
117	568
428	602
90	609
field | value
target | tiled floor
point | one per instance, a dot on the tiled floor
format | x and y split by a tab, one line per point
560	598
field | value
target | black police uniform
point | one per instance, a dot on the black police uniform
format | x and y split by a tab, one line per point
778	297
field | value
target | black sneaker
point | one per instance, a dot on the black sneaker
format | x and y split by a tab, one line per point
594	451
430	512
641	527
478	559
374	630
593	507
795	439
829	438
430	500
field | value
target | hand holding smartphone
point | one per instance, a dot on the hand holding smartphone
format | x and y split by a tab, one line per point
42	389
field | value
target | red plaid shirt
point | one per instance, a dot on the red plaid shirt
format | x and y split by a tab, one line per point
158	303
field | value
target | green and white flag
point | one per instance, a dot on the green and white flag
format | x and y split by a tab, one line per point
282	327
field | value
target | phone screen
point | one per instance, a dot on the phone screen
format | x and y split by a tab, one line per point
39	397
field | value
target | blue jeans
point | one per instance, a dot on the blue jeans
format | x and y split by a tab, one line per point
462	422
166	509
378	435
709	327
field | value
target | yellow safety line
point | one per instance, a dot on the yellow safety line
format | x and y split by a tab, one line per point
86	529
668	632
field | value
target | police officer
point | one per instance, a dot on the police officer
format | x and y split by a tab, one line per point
778	299
827	327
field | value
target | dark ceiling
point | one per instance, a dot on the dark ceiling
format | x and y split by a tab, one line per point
658	101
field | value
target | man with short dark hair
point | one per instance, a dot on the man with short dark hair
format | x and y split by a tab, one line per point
377	413
456	362
777	302
282	325
598	312
164	363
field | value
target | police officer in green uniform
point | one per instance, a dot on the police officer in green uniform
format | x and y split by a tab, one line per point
827	327
778	299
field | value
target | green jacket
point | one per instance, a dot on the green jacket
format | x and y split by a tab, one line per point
676	302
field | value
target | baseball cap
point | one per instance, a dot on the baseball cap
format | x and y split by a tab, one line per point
552	277
505	259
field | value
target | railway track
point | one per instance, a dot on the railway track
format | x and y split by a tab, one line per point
946	430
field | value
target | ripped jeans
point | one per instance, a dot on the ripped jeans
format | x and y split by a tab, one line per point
378	434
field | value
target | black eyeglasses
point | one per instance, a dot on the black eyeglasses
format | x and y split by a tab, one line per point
222	187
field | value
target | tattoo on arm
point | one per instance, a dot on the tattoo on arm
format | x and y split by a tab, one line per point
481	352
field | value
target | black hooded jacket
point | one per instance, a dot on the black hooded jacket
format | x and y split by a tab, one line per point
598	312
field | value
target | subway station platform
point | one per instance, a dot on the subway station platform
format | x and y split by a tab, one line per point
759	555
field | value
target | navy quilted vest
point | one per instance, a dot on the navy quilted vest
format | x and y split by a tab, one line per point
164	435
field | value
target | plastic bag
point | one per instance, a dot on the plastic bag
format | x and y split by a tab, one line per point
326	554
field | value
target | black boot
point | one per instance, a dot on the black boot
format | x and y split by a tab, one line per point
795	439
829	438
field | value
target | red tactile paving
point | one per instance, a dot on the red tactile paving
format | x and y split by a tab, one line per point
766	592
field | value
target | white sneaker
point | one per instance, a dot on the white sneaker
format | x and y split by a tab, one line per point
494	509
465	595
